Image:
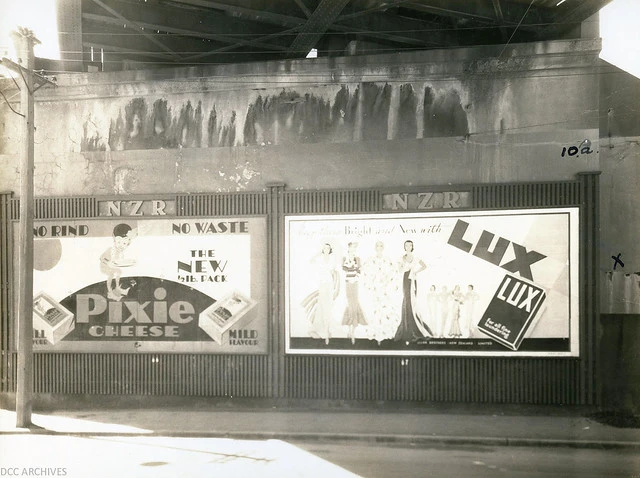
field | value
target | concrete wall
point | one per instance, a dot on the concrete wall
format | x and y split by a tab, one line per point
620	162
619	204
433	117
620	224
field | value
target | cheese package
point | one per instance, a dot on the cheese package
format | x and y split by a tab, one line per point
51	319
221	316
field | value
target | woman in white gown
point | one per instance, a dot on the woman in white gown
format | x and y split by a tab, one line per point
379	275
319	304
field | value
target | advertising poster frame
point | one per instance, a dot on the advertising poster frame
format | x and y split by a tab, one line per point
490	282
163	284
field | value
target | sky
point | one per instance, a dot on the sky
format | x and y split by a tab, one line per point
37	15
618	29
621	35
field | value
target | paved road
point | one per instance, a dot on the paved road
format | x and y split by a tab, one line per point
157	457
383	461
160	457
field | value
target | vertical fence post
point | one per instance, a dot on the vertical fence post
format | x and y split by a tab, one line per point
275	239
589	268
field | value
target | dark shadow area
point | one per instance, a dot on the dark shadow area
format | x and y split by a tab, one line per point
617	419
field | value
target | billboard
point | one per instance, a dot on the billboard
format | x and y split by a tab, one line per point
157	285
487	283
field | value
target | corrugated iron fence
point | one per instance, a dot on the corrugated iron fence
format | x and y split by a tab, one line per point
278	375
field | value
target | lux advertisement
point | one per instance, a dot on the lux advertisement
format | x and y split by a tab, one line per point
486	283
161	285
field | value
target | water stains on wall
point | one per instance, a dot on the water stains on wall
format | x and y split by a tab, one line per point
128	132
91	140
161	123
407	122
343	114
289	117
444	114
188	128
212	128
141	127
227	136
375	110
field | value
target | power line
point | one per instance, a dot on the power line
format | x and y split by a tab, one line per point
516	29
9	105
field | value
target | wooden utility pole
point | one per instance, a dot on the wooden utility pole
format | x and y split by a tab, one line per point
24	42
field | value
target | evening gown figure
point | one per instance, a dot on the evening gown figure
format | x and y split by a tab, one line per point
353	314
407	330
319	304
455	330
381	283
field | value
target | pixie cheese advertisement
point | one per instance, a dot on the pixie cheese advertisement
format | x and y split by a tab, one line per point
187	285
493	283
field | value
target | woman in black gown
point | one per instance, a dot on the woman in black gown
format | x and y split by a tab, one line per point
410	266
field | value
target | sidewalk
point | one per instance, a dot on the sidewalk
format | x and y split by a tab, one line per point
496	425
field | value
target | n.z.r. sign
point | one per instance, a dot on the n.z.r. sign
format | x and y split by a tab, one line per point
149	207
426	201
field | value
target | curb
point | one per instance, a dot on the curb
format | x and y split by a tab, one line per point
414	440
